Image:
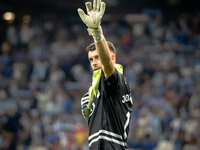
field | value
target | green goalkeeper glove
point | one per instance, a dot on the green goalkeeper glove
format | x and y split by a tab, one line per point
93	19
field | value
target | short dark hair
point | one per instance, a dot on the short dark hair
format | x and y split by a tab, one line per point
92	47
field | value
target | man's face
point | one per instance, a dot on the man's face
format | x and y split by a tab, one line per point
94	60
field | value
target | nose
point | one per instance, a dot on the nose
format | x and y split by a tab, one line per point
94	62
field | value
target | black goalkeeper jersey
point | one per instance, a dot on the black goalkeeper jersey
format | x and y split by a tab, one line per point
110	114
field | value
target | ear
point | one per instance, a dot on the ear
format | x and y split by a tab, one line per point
113	57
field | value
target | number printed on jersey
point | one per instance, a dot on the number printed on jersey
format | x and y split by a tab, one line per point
127	98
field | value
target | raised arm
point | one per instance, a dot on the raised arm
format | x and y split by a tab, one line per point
93	21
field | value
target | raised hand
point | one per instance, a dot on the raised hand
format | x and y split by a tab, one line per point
94	15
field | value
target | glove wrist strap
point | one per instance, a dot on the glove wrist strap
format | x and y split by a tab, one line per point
97	34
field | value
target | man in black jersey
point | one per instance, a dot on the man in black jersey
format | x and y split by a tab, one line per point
108	104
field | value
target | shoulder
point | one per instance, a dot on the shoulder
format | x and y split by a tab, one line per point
115	78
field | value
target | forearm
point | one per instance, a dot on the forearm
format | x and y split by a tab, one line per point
101	45
103	52
105	57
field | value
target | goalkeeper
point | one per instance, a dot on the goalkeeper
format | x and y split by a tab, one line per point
108	104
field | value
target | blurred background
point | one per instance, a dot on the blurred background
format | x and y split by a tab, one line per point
44	72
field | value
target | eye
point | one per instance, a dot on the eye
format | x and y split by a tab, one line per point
90	59
96	57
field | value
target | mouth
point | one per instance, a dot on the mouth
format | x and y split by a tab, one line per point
95	69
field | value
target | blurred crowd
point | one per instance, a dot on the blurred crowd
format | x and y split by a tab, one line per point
44	72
